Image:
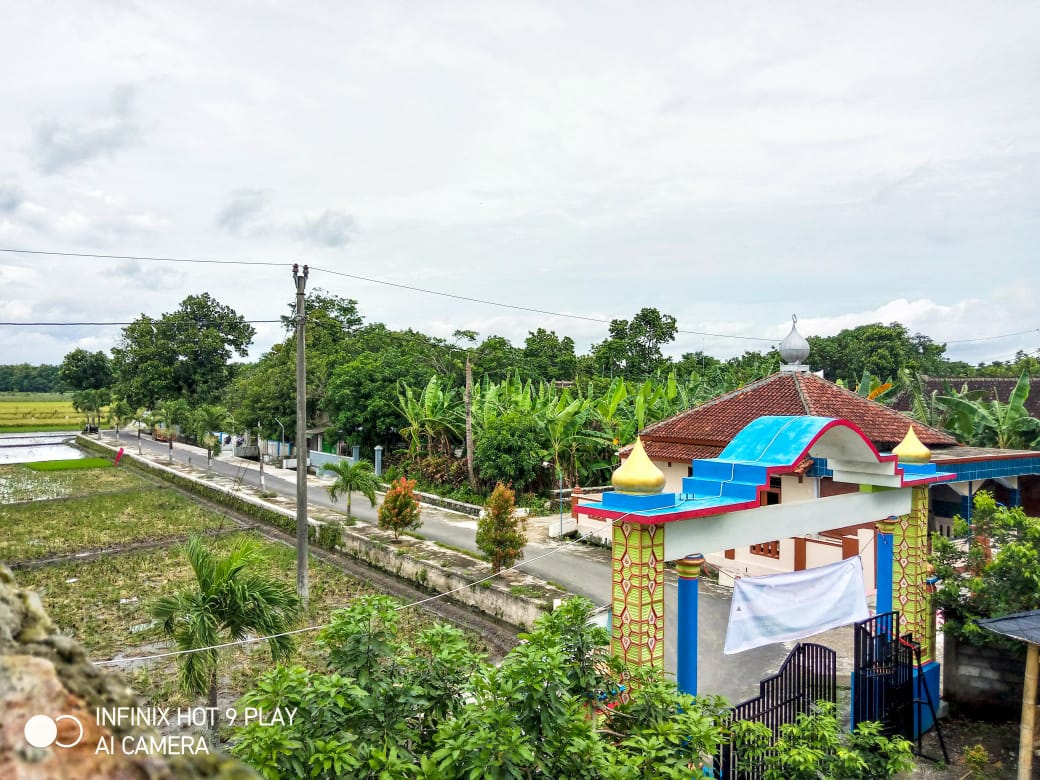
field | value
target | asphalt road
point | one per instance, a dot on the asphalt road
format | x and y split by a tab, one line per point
577	568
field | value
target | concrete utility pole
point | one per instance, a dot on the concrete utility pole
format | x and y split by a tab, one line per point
302	589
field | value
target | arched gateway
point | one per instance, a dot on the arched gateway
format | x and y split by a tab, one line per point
720	507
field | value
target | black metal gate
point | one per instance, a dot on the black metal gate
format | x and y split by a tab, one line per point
883	675
807	676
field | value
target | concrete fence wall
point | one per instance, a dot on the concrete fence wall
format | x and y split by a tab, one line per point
985	681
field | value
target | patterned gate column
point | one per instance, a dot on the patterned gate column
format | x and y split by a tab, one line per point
637	634
910	589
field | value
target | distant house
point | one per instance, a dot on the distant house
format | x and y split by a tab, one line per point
996	388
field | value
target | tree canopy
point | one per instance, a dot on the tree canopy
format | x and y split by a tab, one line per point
182	354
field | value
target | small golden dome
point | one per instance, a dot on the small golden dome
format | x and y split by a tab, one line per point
638	474
910	449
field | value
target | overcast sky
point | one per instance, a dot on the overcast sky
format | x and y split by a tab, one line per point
728	163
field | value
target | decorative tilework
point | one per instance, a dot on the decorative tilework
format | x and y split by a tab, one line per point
637	576
910	590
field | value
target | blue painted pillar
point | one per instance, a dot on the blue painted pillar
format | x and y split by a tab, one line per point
966	504
689	570
1015	497
883	578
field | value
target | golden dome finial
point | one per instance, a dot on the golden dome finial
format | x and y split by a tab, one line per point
911	450
638	474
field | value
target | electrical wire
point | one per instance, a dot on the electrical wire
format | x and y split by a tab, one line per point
144	258
357	277
517	307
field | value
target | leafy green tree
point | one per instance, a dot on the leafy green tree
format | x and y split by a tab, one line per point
501	535
507	450
183	354
83	370
400	508
25	378
879	349
496	358
974	581
547	357
352	477
633	349
227	602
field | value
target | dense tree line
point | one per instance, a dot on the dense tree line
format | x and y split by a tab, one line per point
25	378
368	384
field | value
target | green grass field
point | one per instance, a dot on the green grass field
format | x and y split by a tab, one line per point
90	509
71	465
26	412
104	603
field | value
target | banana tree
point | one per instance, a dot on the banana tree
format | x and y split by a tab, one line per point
995	423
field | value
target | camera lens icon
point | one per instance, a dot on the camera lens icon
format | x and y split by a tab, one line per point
41	731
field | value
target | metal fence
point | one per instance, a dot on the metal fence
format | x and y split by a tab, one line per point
809	675
883	676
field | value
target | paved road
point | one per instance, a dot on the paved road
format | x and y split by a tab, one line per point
577	568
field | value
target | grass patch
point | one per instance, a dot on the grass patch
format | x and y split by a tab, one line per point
463	550
41	529
70	465
104	604
18	482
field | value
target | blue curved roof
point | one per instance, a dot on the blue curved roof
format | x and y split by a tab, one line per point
775	441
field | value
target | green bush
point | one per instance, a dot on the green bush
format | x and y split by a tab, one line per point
975	582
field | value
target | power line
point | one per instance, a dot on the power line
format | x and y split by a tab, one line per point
133	322
144	258
500	304
993	338
398	285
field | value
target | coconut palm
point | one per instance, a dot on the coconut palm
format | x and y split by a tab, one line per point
351	477
228	601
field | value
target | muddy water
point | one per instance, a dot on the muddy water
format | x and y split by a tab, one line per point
34	447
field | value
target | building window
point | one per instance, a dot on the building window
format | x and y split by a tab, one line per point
767	549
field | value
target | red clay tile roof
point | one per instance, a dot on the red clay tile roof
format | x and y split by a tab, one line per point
680	453
715	423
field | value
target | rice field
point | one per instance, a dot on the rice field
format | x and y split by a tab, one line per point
28	412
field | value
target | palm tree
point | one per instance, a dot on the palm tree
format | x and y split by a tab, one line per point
351	477
121	413
205	420
226	602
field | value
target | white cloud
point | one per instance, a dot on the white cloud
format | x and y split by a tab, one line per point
727	167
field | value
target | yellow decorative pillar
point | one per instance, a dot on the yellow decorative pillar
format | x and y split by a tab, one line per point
637	567
638	594
911	591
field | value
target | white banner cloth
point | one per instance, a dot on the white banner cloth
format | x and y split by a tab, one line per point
784	607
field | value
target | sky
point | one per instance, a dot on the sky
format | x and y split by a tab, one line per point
730	164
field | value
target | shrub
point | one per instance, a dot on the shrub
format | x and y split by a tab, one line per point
975	581
500	535
400	509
